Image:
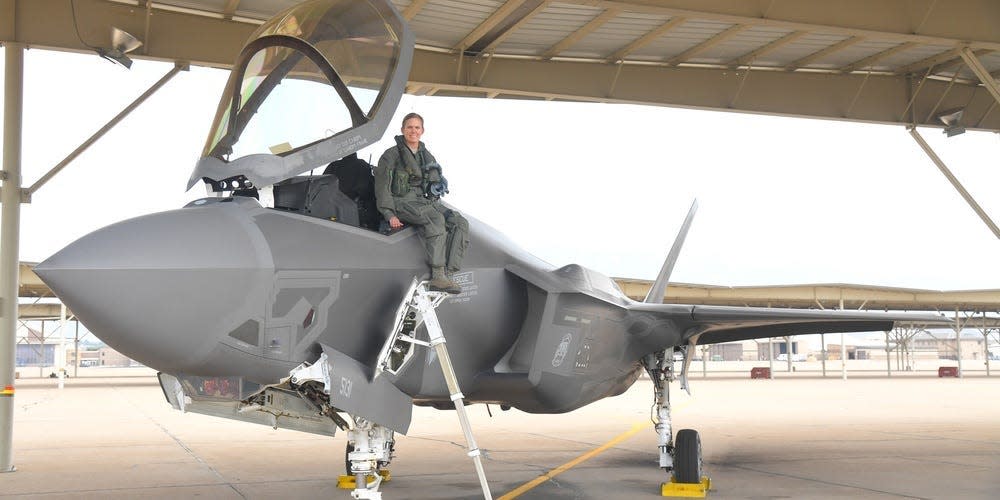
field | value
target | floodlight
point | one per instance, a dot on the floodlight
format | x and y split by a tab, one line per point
122	42
952	119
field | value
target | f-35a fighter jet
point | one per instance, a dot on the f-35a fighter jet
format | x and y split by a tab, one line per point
274	301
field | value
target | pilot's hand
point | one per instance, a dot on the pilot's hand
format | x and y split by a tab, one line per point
395	223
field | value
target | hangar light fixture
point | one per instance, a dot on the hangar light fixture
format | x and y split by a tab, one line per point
952	119
122	42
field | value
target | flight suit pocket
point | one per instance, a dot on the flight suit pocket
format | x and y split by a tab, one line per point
400	182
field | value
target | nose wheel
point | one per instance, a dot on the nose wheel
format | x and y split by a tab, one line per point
382	465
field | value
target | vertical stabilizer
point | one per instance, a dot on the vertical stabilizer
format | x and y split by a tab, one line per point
659	289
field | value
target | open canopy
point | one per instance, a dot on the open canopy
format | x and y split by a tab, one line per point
319	81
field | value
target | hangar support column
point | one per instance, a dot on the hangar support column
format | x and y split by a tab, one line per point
10	216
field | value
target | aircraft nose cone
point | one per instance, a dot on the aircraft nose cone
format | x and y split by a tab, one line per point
163	288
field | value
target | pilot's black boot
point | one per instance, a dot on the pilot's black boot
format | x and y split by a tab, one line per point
441	283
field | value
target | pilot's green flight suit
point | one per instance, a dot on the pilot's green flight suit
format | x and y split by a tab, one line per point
399	181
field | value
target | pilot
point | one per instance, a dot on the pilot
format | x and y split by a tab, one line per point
408	186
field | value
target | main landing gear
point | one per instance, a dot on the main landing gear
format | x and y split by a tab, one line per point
681	458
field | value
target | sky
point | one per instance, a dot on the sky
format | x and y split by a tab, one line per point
782	200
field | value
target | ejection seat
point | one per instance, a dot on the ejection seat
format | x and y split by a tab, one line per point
317	196
357	183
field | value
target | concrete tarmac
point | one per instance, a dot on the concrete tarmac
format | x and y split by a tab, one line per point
912	437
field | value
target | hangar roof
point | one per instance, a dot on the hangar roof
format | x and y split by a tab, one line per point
884	61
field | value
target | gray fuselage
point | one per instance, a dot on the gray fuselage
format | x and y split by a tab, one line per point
225	287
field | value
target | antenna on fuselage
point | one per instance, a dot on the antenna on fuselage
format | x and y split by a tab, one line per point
659	288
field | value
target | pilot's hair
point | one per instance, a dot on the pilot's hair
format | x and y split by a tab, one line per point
410	116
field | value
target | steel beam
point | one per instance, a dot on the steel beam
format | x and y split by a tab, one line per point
230	9
644	40
959	324
984	75
929	62
803	15
888	352
10	221
822	347
954	182
805	61
491	22
583	31
413	9
930	115
707	44
40	311
874	58
490	47
749	57
843	346
108	126
986	344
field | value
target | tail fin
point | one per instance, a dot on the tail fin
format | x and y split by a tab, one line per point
659	288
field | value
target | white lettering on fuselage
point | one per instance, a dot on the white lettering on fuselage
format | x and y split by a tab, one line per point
466	280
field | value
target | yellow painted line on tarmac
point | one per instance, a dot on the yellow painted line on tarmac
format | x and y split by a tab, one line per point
638	426
520	490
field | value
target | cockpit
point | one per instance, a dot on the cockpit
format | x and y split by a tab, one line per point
310	88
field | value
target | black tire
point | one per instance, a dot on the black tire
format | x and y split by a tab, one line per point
687	457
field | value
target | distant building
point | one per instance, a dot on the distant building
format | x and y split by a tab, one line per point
756	349
33	349
946	347
87	357
923	346
833	352
111	357
732	351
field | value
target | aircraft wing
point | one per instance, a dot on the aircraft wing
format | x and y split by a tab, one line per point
718	324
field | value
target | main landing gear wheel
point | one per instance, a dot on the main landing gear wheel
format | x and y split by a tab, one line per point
687	457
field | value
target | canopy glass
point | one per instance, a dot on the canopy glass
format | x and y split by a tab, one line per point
315	83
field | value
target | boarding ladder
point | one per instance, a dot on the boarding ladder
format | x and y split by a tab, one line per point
418	305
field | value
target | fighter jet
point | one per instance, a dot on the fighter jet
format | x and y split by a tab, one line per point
278	300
